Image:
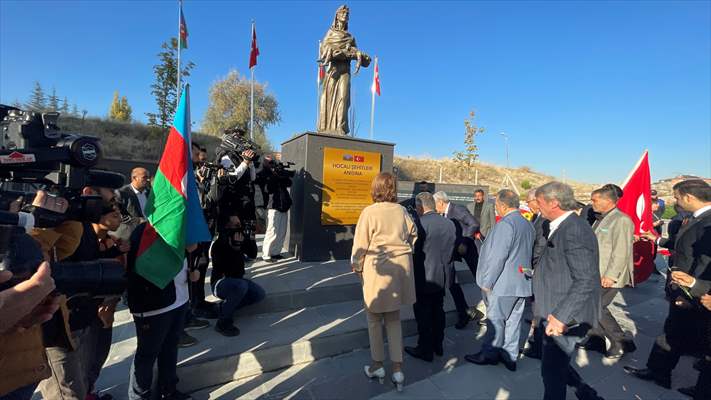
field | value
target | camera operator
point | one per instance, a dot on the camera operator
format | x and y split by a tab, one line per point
24	306
227	279
277	180
71	352
238	181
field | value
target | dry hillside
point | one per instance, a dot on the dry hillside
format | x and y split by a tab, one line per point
417	169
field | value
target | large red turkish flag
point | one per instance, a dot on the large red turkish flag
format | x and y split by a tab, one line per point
636	202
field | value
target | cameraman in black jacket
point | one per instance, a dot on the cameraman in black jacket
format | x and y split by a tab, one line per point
276	179
227	279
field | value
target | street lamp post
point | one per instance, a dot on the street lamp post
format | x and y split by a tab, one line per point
506	140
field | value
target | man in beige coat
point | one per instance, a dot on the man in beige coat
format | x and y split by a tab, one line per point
615	235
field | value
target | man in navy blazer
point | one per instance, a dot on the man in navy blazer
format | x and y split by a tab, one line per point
566	285
504	262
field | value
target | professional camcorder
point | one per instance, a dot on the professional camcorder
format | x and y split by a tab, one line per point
235	142
21	255
282	169
33	152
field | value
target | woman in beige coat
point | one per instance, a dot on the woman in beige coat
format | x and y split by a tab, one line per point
382	255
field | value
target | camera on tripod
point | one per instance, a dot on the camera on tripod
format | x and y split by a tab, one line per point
33	151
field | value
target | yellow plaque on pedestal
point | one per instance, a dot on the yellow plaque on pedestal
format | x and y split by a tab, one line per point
347	176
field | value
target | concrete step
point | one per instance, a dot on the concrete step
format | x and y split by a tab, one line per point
291	284
274	341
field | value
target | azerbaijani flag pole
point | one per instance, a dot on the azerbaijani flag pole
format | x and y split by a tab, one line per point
182	43
175	220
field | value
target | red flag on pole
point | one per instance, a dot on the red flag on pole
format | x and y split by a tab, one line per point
254	52
321	72
636	202
376	79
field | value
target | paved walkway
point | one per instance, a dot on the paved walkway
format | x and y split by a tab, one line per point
450	377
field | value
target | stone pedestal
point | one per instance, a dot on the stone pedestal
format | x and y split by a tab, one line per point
309	237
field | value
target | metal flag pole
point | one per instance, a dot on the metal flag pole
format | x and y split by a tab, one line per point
318	84
251	97
372	102
180	37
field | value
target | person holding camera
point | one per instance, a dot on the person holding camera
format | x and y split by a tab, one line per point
238	181
227	279
72	352
277	183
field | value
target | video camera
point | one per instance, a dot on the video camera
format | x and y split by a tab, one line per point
34	151
282	169
235	142
21	255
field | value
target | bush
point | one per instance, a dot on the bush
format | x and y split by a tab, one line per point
669	212
526	184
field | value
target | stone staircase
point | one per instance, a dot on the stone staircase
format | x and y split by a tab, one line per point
312	311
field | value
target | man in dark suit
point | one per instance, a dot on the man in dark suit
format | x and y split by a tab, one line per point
566	285
432	263
483	211
133	196
684	328
464	250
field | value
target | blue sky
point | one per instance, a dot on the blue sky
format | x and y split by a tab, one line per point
580	87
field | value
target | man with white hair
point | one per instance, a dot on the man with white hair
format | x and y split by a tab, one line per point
464	250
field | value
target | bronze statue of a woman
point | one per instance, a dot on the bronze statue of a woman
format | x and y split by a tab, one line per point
338	49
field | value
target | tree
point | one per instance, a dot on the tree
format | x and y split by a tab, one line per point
75	110
38	102
228	107
166	80
120	110
64	109
53	101
469	156
17	104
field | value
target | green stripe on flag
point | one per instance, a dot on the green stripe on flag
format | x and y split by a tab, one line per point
159	264
167	213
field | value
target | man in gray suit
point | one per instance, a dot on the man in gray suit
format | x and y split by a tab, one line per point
614	231
483	211
566	285
432	267
505	258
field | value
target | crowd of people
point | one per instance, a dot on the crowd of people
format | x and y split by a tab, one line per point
570	260
567	259
58	344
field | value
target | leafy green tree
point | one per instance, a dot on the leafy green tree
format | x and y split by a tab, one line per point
228	107
468	157
38	101
53	101
166	80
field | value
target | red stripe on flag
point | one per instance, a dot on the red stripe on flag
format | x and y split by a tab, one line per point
148	237
254	51
173	164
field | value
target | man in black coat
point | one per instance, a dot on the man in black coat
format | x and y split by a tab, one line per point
566	286
464	250
432	265
133	196
684	328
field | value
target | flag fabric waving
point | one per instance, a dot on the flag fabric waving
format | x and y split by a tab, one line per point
175	219
183	30
254	52
376	79
636	202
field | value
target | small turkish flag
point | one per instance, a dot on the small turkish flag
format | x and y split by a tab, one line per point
636	202
254	52
376	80
359	159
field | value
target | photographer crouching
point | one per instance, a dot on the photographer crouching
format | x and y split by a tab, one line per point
275	177
228	252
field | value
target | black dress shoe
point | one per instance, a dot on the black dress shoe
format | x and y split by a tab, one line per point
533	352
592	343
649	375
688	391
615	351
480	359
186	340
418	353
508	362
462	321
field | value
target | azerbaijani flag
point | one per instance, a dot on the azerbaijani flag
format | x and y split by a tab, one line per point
175	219
183	30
